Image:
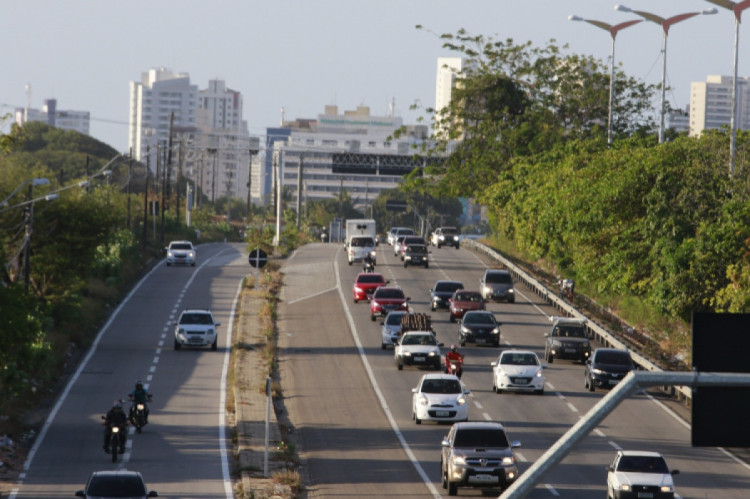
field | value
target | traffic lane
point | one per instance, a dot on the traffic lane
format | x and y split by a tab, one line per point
345	441
125	352
188	384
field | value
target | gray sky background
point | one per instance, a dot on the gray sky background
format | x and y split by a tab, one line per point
305	55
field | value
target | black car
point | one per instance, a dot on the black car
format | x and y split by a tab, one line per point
479	327
606	368
567	340
416	254
441	293
120	483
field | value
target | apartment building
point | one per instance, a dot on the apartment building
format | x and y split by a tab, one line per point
58	118
711	103
210	143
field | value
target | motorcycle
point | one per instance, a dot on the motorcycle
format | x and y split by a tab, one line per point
116	440
454	366
137	414
368	267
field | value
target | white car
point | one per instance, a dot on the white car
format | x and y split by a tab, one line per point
418	348
518	370
195	328
639	474
391	329
439	397
180	252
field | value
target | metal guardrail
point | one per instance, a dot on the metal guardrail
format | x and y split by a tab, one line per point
598	332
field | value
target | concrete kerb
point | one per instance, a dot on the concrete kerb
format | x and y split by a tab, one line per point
250	405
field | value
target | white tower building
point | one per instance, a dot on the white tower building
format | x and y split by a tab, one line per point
711	103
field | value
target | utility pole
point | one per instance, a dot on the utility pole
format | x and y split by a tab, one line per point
145	195
130	175
299	189
163	197
179	180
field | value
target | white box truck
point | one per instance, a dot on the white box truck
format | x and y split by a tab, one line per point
360	239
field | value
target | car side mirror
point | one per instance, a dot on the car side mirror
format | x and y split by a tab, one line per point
217	324
493	363
414	390
609	468
441	344
467	391
408	298
545	365
446	443
382	323
674	472
514	444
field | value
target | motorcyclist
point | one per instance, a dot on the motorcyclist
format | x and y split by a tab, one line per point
455	355
139	396
115	417
368	263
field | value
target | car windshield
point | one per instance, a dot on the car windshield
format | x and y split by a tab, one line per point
614	358
116	486
476	438
361	242
474	297
394	319
570	332
405	232
519	359
448	286
389	293
441	386
449	231
196	318
498	278
370	278
418	249
479	319
419	339
643	464
181	246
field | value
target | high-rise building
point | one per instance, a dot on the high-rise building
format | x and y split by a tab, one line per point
210	143
448	71
159	95
58	118
711	103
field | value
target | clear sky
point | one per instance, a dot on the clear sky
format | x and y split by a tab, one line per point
305	55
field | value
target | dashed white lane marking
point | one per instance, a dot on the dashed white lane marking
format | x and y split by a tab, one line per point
520	457
571	407
614	445
478	405
487	416
552	490
599	432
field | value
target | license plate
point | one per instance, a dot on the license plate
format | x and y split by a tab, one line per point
418	359
570	350
645	495
484	478
481	340
441	414
614	382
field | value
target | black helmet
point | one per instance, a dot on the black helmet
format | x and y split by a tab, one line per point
139	384
117	403
453	348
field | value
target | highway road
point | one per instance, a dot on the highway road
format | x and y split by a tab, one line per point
351	407
182	452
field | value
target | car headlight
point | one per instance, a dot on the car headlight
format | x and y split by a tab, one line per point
180	331
487	289
373	254
423	400
508	460
170	254
191	254
539	373
511	291
407	354
460	460
432	354
625	487
209	331
461	400
375	304
359	290
666	488
465	330
597	371
496	330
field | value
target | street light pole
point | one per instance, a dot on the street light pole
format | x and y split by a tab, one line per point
737	8
613	30
665	23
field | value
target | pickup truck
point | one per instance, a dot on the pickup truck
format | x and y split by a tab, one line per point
445	236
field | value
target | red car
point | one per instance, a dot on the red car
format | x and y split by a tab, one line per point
462	301
386	299
365	285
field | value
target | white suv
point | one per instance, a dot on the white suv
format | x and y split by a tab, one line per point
195	328
180	252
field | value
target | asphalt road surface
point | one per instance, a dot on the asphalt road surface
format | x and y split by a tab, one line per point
182	452
351	407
